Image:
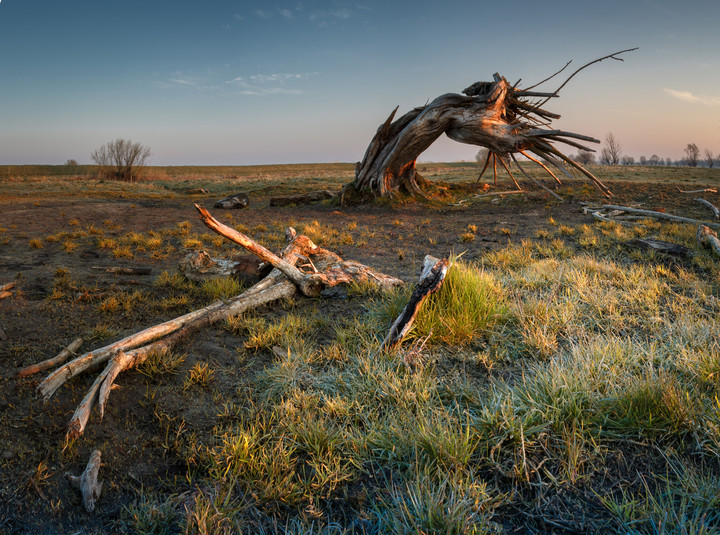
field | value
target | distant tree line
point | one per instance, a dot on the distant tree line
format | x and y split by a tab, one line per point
611	154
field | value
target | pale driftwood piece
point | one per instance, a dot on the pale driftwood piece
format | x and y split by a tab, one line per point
711	206
600	217
706	190
302	198
233	202
328	269
495	115
7	286
659	215
47	364
200	266
431	278
87	482
708	239
124	270
660	246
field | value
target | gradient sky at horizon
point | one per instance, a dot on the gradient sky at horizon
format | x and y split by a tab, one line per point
228	82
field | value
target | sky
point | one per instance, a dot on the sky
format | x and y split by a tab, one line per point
245	82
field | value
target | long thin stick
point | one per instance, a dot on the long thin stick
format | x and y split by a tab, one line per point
535	181
49	363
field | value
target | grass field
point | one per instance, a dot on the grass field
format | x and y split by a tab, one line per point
560	382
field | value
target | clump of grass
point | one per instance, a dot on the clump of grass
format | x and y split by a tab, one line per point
35	243
221	288
162	362
469	302
200	375
152	515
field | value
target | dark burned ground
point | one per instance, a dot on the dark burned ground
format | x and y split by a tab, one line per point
138	433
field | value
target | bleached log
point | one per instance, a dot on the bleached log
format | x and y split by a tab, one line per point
47	364
87	482
327	269
706	190
431	278
659	215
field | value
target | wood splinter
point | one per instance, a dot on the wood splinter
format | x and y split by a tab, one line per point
87	482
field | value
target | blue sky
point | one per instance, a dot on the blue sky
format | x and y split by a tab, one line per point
228	82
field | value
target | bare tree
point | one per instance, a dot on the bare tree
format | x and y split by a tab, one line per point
668	161
71	162
612	150
709	158
585	157
627	160
655	159
121	159
692	153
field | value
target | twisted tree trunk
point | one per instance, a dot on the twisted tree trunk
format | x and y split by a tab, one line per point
495	115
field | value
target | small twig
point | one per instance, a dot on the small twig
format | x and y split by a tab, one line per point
511	192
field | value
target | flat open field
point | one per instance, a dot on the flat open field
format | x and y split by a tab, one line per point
580	395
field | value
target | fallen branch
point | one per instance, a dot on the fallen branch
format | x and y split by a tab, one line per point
7	286
708	239
711	206
706	190
431	278
327	269
47	364
511	192
659	215
87	482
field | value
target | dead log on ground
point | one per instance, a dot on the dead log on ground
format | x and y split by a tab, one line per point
7	286
711	206
431	278
656	215
233	202
301	266
708	239
504	118
706	190
87	482
302	198
47	364
660	246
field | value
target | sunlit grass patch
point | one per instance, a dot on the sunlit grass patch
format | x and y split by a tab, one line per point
221	288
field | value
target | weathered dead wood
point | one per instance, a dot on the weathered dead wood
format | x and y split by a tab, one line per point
47	364
706	190
496	115
431	278
233	202
326	269
124	270
711	206
3	295
87	482
7	286
659	215
302	198
708	239
660	246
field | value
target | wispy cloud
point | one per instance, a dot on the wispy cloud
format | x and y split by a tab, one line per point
687	96
269	84
237	16
263	14
183	82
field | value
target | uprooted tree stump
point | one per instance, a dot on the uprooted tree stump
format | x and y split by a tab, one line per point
497	115
301	267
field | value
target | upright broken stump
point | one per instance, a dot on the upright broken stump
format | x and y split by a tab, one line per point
431	279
